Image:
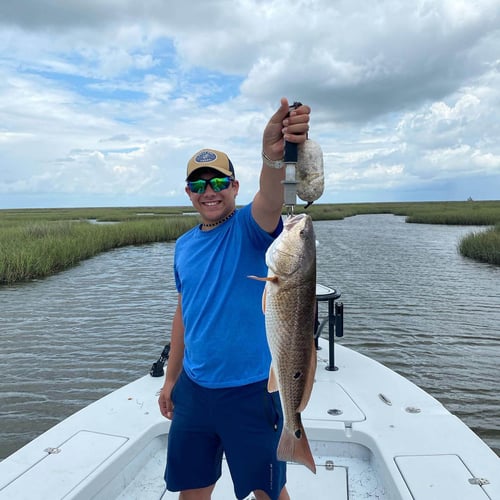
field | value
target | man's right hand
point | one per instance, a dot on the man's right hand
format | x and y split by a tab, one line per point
165	401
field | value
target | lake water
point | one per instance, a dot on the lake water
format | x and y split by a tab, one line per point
410	301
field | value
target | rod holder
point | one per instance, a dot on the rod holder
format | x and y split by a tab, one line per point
157	367
330	295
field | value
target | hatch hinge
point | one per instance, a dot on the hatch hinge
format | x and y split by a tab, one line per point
480	481
52	451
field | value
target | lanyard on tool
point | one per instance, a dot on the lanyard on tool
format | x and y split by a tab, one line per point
290	182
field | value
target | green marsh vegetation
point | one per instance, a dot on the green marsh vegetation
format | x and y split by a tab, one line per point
39	242
483	246
463	213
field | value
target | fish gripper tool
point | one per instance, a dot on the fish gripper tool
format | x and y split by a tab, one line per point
290	161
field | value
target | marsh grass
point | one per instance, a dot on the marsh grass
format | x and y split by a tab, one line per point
467	213
105	214
482	246
38	242
36	249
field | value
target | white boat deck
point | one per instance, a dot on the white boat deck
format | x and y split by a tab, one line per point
385	437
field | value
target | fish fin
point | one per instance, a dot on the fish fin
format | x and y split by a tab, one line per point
260	278
267	279
308	386
291	449
272	383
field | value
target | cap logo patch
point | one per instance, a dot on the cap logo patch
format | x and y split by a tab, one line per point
205	157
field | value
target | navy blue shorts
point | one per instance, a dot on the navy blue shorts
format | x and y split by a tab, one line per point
244	423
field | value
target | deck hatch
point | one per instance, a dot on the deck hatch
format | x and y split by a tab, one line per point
435	477
333	404
56	474
301	482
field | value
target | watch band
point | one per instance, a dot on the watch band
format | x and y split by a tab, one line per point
271	163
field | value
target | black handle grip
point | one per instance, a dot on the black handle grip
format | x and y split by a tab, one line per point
291	147
291	152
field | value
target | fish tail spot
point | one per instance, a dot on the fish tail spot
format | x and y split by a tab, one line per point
297	375
298	433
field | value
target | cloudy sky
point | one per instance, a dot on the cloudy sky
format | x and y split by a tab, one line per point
102	102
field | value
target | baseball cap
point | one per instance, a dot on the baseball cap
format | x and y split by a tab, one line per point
210	158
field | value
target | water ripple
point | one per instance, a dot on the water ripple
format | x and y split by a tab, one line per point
411	301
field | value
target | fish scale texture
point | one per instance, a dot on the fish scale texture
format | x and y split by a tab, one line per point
290	304
289	325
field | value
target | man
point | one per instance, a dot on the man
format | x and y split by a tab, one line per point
215	388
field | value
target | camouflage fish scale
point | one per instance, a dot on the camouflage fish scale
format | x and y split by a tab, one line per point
290	325
290	313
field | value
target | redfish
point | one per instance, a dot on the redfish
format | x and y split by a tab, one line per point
289	304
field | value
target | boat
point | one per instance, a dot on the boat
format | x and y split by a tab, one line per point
373	434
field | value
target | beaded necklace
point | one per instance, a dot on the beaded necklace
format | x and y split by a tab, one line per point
224	219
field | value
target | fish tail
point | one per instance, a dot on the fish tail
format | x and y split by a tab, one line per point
293	449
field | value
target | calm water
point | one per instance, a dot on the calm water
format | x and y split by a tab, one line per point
410	302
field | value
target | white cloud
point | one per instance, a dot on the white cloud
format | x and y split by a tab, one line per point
113	97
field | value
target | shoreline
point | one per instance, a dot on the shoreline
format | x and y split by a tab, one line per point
35	243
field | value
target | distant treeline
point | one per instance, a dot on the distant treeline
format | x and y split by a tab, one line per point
38	242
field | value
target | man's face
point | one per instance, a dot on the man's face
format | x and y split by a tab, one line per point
214	205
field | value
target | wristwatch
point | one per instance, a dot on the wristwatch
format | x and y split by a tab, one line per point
271	163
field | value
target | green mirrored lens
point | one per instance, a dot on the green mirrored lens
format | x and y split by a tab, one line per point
197	186
219	183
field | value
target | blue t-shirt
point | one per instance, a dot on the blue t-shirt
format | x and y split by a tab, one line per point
225	342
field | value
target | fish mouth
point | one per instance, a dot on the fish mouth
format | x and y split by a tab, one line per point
293	220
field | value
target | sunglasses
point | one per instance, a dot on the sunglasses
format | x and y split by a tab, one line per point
216	183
